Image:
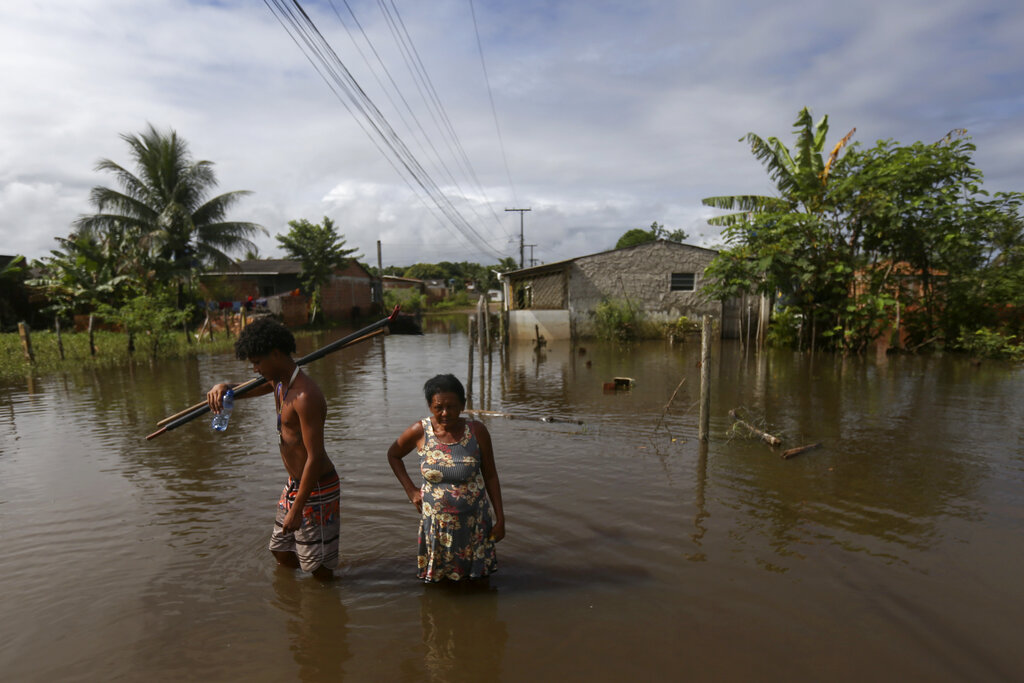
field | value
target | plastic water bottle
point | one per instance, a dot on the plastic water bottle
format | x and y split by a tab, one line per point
220	420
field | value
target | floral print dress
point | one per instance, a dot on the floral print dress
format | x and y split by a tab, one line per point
455	530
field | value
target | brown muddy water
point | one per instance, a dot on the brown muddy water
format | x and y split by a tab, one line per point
894	552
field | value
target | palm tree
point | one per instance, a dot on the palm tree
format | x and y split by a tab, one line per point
165	205
800	178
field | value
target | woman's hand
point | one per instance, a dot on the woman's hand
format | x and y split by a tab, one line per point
416	498
498	530
215	396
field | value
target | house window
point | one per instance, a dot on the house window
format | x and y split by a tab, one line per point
682	282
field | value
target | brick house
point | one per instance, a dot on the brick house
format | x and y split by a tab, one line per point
351	292
660	278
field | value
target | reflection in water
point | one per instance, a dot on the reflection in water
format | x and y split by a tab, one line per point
316	622
463	638
899	537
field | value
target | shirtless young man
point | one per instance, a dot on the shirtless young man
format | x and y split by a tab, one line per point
306	529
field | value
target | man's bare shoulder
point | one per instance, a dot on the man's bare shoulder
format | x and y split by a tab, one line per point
308	395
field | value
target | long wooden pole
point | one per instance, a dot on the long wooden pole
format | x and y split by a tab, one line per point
245	385
705	379
26	342
356	336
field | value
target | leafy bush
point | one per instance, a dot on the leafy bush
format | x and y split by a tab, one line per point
153	318
410	300
616	321
459	299
988	343
678	329
784	331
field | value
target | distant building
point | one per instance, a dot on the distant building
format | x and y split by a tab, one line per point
394	282
662	279
351	292
436	290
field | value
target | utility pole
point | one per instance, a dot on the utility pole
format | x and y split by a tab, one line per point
521	245
533	261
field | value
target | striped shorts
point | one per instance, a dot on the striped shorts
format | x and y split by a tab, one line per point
315	543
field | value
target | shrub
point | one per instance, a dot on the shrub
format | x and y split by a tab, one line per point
617	321
988	343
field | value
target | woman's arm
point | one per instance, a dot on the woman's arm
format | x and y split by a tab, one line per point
491	482
402	446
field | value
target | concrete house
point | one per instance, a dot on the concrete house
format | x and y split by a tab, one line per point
662	279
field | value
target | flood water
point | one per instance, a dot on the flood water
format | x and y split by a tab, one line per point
894	551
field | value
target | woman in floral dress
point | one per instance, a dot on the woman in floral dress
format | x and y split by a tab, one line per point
457	534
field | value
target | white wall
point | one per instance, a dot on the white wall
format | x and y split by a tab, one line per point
553	324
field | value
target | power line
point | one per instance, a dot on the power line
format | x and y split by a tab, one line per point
428	93
490	96
340	80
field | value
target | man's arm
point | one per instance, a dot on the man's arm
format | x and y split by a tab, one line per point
215	396
312	412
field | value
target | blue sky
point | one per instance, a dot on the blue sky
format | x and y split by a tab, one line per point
613	114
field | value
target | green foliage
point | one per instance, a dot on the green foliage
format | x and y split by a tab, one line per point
456	300
152	318
426	271
86	273
111	350
321	249
855	241
410	300
679	328
617	321
657	231
785	328
988	343
163	224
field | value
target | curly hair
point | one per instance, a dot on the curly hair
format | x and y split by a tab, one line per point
263	336
442	384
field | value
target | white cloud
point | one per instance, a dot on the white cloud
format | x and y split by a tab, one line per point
614	114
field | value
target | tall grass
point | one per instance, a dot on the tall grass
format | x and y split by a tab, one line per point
111	349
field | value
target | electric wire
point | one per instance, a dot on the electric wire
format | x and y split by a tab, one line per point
419	74
494	111
343	84
437	159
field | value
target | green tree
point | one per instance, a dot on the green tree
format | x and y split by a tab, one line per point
152	317
657	231
166	210
321	249
85	272
12	274
891	232
425	271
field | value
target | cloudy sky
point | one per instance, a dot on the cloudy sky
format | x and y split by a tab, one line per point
612	114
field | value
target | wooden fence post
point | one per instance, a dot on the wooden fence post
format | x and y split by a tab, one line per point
705	378
469	374
26	342
92	342
60	340
487	323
